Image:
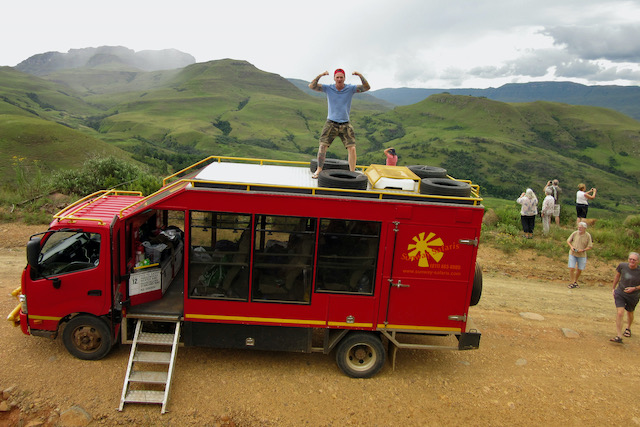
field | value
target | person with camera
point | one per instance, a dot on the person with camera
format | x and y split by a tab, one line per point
528	212
582	201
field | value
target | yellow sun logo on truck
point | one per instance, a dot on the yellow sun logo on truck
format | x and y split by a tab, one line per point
425	248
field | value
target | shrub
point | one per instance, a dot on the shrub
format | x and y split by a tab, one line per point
632	221
104	173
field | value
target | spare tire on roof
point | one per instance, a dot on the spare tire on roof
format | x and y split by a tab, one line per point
335	178
428	171
329	164
445	187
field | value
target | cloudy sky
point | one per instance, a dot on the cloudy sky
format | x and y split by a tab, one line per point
399	43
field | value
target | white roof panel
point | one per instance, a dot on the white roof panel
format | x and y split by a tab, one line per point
245	173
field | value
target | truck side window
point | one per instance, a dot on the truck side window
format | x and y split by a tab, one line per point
283	258
220	245
68	251
347	256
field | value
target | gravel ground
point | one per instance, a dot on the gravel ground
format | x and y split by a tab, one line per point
526	372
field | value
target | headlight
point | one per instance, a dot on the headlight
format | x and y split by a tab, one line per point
23	303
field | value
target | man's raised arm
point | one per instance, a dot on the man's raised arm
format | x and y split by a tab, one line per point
314	85
365	84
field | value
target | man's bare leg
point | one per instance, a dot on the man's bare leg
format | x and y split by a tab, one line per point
351	152
619	315
322	154
578	272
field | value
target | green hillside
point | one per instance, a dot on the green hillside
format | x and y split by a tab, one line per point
52	146
169	119
26	95
509	147
226	107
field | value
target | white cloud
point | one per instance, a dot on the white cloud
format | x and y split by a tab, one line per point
420	43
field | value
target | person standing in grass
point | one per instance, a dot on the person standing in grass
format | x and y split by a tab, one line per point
579	243
339	97
626	294
547	210
528	212
556	197
582	201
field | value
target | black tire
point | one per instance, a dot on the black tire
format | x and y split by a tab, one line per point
476	290
445	187
360	354
329	164
87	337
334	178
428	171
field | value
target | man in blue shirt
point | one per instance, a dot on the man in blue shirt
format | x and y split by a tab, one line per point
339	97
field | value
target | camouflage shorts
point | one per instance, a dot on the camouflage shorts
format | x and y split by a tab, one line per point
344	131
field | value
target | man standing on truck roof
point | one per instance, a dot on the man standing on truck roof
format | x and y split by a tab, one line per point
339	97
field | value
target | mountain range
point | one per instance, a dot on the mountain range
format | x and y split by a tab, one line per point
625	99
113	56
168	119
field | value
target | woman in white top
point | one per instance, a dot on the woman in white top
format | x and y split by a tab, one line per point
528	213
582	201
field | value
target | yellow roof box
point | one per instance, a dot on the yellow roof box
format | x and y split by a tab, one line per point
392	177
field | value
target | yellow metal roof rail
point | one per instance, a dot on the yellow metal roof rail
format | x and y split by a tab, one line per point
170	188
79	205
219	159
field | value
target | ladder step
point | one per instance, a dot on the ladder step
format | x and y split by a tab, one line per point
153	338
148	377
152	357
144	396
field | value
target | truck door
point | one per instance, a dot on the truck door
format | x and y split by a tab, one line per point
72	276
430	277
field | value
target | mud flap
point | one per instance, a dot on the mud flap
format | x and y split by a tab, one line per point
391	351
469	340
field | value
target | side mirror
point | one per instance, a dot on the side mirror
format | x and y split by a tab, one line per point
33	252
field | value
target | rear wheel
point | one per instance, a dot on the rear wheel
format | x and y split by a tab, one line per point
87	337
360	355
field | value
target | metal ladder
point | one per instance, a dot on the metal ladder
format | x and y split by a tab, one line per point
144	351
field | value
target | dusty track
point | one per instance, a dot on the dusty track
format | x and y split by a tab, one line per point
526	372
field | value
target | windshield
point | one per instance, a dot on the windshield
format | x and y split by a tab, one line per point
67	251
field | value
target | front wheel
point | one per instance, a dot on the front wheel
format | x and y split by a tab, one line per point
360	355
87	337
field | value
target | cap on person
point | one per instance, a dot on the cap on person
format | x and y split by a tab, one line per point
339	70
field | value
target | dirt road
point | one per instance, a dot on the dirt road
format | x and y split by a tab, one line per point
526	372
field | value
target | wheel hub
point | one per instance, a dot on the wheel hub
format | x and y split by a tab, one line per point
86	338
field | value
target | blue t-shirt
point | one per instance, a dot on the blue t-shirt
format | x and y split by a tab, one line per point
339	102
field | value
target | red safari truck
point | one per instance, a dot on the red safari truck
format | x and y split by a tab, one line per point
250	253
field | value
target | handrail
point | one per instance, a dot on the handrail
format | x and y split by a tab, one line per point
475	189
161	190
312	190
